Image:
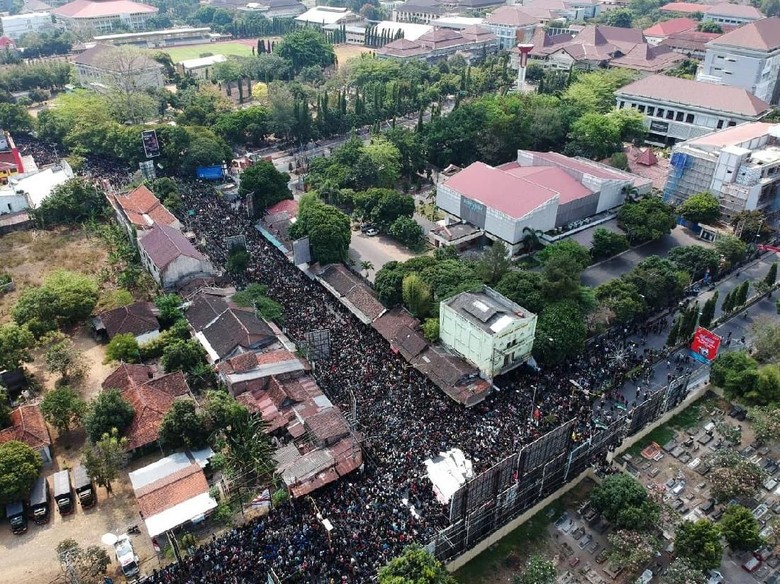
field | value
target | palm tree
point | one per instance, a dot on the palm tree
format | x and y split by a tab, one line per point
632	194
365	265
532	238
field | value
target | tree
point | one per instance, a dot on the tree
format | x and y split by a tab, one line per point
771	276
15	344
733	476
64	298
647	219
183	426
20	466
328	229
183	356
220	410
430	329
386	158
15	119
594	136
622	298
709	26
124	88
700	208
265	184
561	278
751	225
560	332
384	206
524	288
607	243
416	295
123	347
595	91
766	340
532	238
682	572
169	307
255	296
63	358
695	260
538	570
108	410
699	543
740	528
414	566
566	248
366	266
741	296
631	550
238	260
708	312
765	421
245	447
625	502
731	248
658	281
407	232
736	372
62	407
494	263
620	17
104	457
88	564
305	47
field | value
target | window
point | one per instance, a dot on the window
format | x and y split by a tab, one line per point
720	124
732	124
669	115
650	111
641	108
679	117
660	112
689	119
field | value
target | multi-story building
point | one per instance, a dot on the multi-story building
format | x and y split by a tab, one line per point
548	11
680	109
511	25
739	165
15	27
118	66
662	30
104	16
439	44
723	13
488	330
748	57
324	15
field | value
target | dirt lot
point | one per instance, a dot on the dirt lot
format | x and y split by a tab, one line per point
346	52
29	256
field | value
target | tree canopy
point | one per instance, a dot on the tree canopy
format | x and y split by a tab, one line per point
328	229
740	528
305	47
107	411
15	344
700	208
414	566
62	407
699	543
647	219
624	501
267	185
183	426
20	466
74	201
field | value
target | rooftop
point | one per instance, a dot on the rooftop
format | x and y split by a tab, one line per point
352	288
684	7
511	16
203	62
111	58
734	136
488	310
708	96
672	26
101	8
325	15
137	318
727	9
28	426
762	35
143	209
164	245
412	31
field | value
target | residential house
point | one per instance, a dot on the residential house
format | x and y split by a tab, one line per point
490	331
16	26
439	44
103	16
225	329
662	30
511	26
739	165
540	191
680	109
151	396
28	426
201	68
169	256
107	65
173	492
138	319
140	209
748	57
250	371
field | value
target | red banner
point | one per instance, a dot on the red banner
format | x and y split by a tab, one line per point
705	345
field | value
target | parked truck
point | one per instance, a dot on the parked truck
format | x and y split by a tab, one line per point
39	501
15	513
85	490
63	492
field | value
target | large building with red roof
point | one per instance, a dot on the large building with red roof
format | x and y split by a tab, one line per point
441	43
539	191
140	209
29	427
722	13
104	16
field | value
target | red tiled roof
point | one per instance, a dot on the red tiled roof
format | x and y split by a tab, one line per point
137	318
762	35
7	42
684	7
288	206
151	399
28	426
717	98
672	26
510	16
514	196
550	177
649	59
101	8
730	10
143	208
164	244
168	492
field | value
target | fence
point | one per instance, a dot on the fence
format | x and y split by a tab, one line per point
502	493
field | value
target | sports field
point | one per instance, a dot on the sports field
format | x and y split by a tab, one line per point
242	49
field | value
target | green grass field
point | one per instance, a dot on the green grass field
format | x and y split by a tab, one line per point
194	51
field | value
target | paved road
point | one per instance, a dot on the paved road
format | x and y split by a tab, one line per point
378	250
619	265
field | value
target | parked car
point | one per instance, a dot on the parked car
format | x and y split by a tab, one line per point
63	492
715	577
39	501
371	232
126	556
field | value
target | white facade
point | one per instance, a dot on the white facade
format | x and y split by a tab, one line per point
15	27
754	70
179	269
202	68
12	202
488	330
740	166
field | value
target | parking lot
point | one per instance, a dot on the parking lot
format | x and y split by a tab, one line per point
377	249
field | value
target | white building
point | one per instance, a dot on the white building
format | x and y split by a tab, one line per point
488	330
169	256
739	165
540	191
731	14
15	27
202	68
323	15
122	67
511	25
30	190
104	16
748	57
680	109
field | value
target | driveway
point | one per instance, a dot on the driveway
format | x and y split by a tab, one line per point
623	263
378	250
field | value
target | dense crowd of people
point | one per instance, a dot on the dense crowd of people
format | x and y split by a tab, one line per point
402	416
